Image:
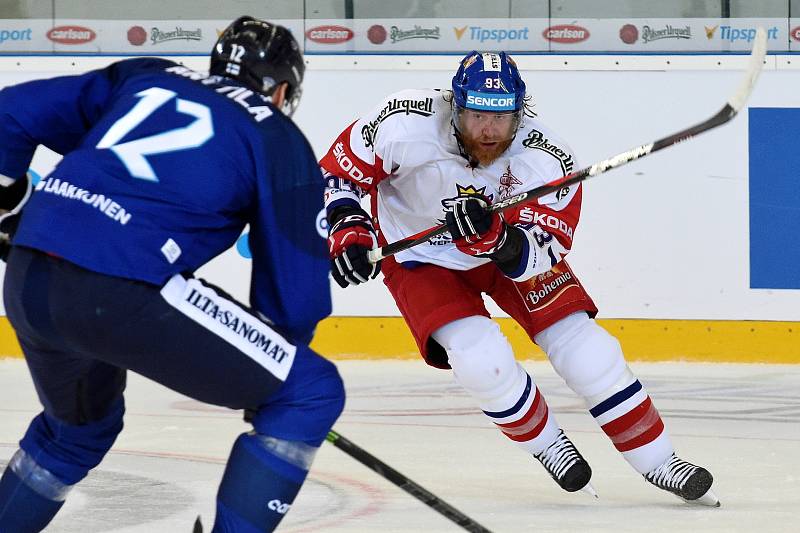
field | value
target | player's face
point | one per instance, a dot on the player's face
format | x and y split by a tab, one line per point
486	135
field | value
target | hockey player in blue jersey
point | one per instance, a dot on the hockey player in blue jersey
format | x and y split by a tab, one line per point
163	167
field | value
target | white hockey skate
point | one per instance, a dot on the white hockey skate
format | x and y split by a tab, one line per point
566	465
690	483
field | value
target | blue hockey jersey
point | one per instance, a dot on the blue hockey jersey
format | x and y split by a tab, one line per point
163	167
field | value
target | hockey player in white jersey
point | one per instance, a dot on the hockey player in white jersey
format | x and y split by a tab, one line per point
428	156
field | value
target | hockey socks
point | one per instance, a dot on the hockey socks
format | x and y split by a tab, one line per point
261	480
631	421
29	496
528	421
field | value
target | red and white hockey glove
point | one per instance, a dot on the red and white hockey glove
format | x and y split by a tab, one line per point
350	237
475	230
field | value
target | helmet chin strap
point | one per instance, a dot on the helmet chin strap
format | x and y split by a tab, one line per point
278	95
278	98
471	161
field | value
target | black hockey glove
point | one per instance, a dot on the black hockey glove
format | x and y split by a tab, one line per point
13	198
481	233
350	238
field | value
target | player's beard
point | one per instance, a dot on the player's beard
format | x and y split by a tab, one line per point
484	150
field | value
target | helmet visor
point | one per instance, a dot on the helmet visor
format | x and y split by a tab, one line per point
291	101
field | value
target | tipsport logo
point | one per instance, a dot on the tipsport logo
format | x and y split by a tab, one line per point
496	35
731	34
15	35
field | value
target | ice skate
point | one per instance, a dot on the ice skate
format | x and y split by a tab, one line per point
566	465
689	482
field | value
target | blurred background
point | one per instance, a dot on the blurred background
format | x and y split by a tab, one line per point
418	26
690	254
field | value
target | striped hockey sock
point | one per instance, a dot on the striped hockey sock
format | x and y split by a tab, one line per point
528	422
634	426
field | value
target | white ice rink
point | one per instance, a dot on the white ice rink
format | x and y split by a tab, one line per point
740	421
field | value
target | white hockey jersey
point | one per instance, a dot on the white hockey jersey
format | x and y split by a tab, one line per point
405	154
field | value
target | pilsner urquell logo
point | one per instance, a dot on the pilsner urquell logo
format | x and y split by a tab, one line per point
158	35
418	32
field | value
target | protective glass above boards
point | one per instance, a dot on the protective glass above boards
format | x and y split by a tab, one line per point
154	27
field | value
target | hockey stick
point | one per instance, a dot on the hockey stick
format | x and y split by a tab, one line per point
728	111
420	493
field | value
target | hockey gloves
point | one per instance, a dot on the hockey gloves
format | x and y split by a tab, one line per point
350	237
13	197
475	230
481	233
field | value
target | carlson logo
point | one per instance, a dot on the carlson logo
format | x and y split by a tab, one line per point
795	33
566	34
71	35
329	34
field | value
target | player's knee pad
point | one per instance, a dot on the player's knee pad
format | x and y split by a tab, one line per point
69	452
479	354
585	355
307	405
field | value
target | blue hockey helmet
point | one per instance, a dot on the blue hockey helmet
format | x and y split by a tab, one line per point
488	104
488	82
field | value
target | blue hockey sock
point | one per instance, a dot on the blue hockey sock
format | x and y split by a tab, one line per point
261	480
29	496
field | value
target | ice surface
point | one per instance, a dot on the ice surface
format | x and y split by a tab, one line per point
742	422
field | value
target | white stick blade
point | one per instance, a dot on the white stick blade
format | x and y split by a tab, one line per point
739	98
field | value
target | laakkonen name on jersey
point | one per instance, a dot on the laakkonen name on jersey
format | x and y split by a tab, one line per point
101	202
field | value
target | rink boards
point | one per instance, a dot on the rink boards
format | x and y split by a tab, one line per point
745	341
698	243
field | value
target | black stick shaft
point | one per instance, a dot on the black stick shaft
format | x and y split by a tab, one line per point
417	491
724	115
728	111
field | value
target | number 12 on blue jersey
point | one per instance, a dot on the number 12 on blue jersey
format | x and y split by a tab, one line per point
133	154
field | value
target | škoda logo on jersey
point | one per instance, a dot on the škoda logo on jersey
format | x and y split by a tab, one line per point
422	107
346	164
538	141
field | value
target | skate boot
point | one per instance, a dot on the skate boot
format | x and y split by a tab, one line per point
566	466
689	482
